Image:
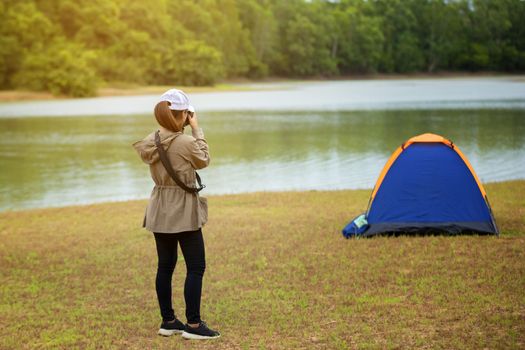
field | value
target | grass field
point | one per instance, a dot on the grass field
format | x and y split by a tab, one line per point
279	276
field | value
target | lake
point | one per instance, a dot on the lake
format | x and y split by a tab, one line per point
55	156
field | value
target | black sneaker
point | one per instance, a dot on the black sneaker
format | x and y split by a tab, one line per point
201	332
170	328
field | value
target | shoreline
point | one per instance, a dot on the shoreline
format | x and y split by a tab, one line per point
241	84
81	206
115	91
367	191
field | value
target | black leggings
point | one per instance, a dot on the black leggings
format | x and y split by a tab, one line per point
192	246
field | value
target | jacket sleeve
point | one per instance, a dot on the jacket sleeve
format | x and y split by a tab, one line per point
197	152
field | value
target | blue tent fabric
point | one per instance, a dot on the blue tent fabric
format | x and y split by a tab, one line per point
429	188
356	227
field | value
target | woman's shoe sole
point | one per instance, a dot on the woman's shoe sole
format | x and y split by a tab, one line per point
187	335
168	332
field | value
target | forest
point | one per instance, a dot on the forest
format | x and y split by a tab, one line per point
71	47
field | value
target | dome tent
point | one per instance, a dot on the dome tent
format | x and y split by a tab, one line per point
427	186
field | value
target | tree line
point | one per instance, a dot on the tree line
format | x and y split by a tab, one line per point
72	46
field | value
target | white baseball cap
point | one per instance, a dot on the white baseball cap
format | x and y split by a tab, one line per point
178	100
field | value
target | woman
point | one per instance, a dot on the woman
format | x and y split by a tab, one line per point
175	213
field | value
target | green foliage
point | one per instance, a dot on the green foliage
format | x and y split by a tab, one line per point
194	63
362	43
262	26
301	46
22	29
129	59
408	56
61	69
201	41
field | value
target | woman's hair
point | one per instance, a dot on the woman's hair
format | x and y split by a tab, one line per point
168	118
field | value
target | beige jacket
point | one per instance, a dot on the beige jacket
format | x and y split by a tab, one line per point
170	208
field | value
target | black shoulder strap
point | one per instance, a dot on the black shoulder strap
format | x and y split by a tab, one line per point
167	165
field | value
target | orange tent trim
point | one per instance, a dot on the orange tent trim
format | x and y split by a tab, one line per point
428	137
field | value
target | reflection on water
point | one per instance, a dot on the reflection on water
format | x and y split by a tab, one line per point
61	161
350	95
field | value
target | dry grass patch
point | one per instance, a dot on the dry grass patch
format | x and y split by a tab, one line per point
279	276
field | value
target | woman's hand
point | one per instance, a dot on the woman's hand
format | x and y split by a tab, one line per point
193	120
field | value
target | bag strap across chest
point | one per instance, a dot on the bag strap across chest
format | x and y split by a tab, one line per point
169	168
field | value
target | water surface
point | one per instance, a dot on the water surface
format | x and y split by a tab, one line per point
350	95
58	161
